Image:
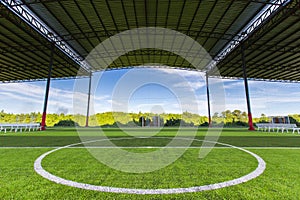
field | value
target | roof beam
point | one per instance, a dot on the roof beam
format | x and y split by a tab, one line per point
21	49
265	2
265	26
43	47
235	38
101	22
190	26
128	26
116	26
109	33
269	49
29	2
40	28
248	31
217	23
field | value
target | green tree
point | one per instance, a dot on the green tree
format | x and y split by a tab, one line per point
236	115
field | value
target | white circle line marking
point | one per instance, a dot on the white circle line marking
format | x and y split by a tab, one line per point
145	147
257	172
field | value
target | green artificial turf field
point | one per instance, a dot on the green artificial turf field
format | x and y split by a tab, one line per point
280	180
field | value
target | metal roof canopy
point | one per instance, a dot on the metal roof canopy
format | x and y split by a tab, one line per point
272	52
25	53
83	24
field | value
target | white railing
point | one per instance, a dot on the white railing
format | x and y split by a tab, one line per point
277	127
20	127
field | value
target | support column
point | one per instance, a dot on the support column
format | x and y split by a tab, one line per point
43	123
89	99
208	101
250	122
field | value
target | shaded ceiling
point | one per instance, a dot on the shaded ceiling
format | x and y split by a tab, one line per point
271	52
25	54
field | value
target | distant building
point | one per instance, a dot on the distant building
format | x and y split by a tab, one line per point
157	121
279	119
143	121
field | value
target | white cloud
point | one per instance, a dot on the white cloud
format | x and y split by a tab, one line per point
32	97
266	97
188	85
20	97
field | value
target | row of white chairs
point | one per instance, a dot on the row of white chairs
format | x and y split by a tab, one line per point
277	127
20	127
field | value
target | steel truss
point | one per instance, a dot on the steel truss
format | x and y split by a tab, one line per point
275	7
272	21
39	28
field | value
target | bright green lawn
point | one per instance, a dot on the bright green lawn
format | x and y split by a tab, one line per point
281	179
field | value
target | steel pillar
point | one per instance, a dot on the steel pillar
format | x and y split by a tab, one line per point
43	123
250	122
89	99
208	101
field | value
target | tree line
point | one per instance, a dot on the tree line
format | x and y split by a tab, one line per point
110	119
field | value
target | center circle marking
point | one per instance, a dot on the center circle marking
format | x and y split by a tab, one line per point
44	173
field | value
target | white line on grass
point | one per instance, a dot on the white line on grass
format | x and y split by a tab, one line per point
41	171
145	147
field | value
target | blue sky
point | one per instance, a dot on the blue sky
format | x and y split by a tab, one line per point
155	89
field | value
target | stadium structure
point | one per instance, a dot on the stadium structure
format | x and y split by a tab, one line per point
247	39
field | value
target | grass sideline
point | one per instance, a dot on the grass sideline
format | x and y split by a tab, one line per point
281	180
